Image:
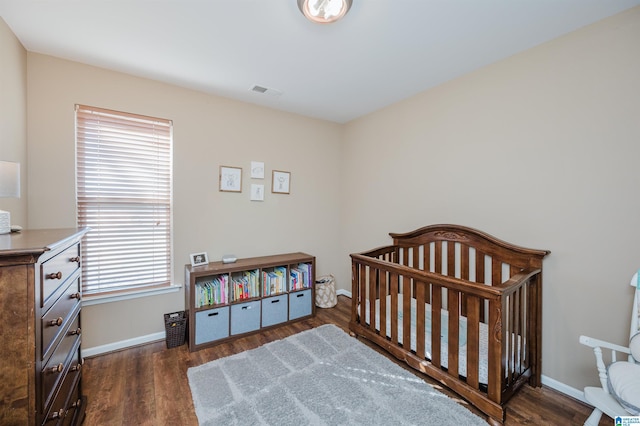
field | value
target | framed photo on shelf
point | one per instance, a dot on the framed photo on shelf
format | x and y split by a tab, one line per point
230	179
198	259
280	182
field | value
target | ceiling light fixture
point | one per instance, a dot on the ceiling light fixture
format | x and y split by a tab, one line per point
324	11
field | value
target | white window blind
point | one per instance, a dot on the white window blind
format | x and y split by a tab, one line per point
124	183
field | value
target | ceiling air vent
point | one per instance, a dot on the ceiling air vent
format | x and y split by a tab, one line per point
266	91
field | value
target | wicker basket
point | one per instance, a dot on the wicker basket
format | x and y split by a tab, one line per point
326	292
175	325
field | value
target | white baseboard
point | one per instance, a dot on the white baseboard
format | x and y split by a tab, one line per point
123	344
562	388
341	292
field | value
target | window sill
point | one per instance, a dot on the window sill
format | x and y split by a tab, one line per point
108	298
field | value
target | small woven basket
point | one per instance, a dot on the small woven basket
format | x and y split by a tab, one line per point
175	325
326	292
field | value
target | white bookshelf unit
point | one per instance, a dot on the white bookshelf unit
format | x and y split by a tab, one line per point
229	300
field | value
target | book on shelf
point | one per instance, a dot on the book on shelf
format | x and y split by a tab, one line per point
300	277
213	291
274	282
245	285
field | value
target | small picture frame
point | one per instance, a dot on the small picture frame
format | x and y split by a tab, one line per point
257	192
230	179
257	170
198	259
281	181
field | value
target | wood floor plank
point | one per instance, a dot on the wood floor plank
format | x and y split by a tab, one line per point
148	385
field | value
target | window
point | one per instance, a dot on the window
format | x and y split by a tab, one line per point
124	183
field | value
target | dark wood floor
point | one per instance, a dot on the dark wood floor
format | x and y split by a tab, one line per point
148	385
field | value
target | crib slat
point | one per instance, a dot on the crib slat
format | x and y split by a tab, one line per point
453	337
451	259
436	323
426	260
415	264
406	308
383	304
373	282
480	277
356	289
524	332
420	319
393	283
496	271
464	274
494	376
511	343
473	340
438	257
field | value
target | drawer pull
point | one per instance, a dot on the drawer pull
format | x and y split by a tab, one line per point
77	331
57	414
275	301
77	403
55	276
75	259
56	322
75	296
76	367
57	369
212	314
300	295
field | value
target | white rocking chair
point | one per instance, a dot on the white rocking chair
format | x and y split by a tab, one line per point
600	397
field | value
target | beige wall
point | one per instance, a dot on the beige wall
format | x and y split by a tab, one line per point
541	150
13	116
209	131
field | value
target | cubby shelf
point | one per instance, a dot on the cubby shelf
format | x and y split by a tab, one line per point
225	301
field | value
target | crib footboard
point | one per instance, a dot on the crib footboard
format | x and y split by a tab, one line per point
465	314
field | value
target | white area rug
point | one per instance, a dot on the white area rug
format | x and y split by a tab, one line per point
321	376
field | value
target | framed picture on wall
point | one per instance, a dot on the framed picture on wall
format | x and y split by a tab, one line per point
281	182
257	170
257	192
230	179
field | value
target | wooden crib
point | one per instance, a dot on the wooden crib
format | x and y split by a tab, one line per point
483	294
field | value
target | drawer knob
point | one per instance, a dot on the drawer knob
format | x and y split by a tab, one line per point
55	276
77	403
77	331
57	322
57	368
75	259
75	296
76	367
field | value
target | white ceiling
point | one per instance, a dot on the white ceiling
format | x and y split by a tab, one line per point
383	51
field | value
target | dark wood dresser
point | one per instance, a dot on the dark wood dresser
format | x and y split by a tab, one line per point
40	334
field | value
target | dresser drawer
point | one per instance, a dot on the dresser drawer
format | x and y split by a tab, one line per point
58	317
56	271
68	399
57	366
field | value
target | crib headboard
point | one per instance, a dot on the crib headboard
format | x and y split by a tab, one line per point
470	252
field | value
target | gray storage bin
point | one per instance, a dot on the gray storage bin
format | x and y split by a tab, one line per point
274	310
212	324
300	304
245	317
